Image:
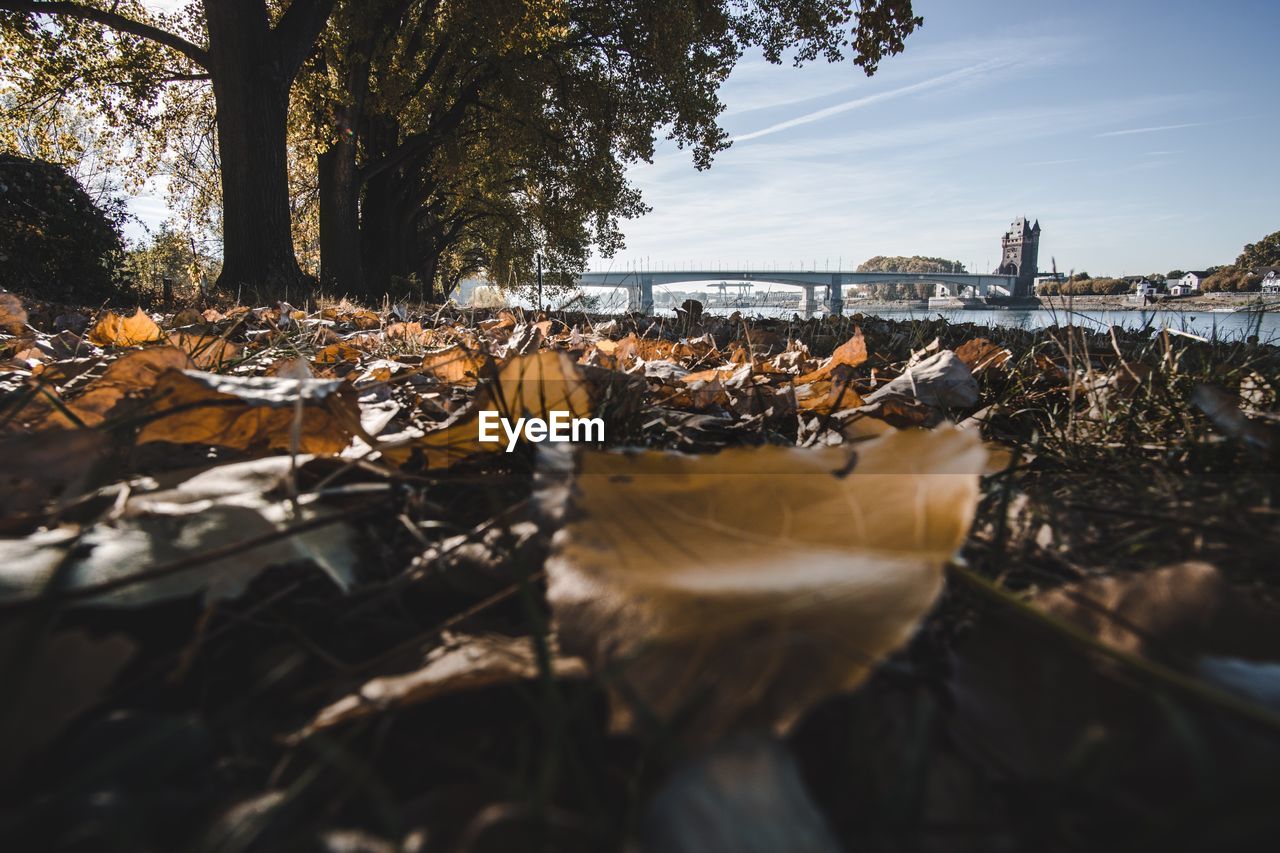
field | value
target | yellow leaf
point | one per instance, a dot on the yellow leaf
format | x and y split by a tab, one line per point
531	385
116	331
455	364
337	353
319	415
746	585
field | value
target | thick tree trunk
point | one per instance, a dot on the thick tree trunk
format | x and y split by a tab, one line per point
377	233
251	86
341	271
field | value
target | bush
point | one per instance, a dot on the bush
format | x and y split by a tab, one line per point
55	243
1232	280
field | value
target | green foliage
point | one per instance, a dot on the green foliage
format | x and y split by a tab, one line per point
54	241
169	254
912	264
1175	274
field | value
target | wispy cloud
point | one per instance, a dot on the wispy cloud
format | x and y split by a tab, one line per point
1155	129
1055	162
879	97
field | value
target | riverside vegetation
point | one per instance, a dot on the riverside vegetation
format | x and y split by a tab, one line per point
262	587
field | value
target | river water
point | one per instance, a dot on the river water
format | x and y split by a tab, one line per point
1224	326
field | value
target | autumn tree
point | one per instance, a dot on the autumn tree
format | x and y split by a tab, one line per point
913	264
121	57
1264	253
491	131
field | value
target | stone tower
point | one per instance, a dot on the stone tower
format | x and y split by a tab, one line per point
1019	249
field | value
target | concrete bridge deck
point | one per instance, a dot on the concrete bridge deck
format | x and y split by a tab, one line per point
640	285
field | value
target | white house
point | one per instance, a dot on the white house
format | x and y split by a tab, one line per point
1182	289
1271	281
1144	288
1193	280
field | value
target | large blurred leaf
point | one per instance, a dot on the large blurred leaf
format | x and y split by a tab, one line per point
748	584
213	509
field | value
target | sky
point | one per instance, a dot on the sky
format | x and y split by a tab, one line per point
1141	134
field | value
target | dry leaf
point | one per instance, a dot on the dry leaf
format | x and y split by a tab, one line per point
307	415
116	331
132	374
526	386
461	663
190	515
981	354
749	584
208	351
852	352
942	380
455	365
13	317
337	353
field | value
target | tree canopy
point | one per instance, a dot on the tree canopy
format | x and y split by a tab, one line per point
1264	253
409	140
914	264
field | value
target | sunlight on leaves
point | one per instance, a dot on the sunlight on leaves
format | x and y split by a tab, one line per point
112	330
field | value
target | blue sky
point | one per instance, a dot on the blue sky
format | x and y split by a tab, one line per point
1142	134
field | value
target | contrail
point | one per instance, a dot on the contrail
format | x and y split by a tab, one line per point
1151	129
858	103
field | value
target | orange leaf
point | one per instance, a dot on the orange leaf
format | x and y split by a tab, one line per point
116	331
256	411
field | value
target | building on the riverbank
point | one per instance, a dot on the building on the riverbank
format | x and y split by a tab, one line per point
1019	252
1143	287
1270	280
1193	279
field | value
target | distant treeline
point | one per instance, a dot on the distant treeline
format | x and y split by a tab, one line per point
914	263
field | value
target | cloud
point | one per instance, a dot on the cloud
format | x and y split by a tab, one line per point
1055	162
868	100
1134	130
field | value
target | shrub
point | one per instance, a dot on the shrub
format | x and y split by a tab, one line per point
55	243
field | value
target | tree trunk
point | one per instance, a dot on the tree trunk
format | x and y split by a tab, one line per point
341	271
251	87
377	240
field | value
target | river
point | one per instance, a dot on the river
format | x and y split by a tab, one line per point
1224	326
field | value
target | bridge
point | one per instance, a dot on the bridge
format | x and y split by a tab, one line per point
639	285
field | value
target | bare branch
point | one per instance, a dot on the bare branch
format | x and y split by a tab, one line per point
111	19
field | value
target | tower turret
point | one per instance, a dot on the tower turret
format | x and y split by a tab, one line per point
1019	254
